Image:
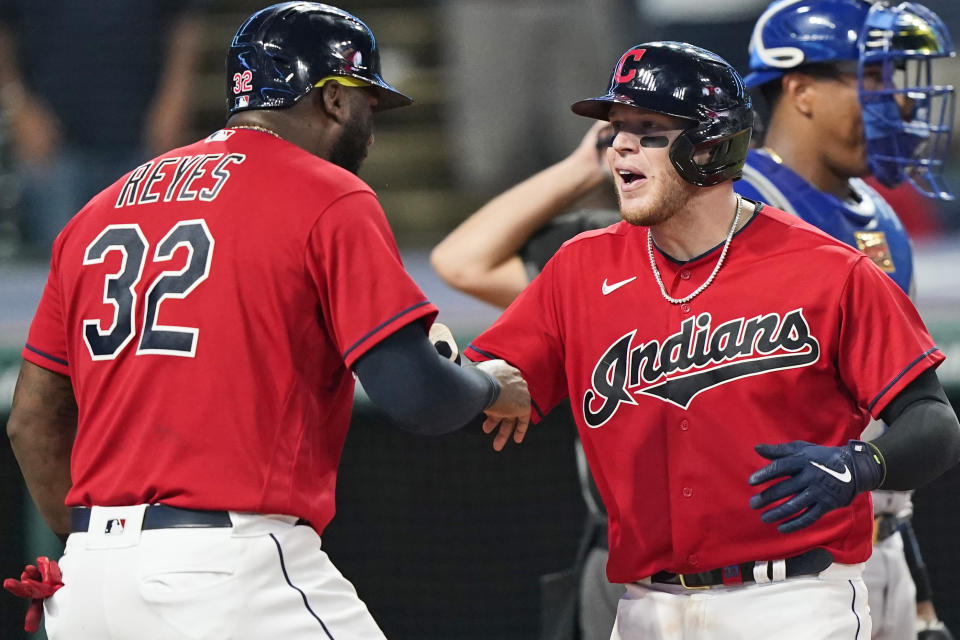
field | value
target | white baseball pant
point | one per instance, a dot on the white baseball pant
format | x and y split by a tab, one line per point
829	606
265	577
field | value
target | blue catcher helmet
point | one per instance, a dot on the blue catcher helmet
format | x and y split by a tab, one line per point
907	121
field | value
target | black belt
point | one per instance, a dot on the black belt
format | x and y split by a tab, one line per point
809	563
161	516
884	526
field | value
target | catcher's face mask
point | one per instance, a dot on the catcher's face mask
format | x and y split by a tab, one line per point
908	117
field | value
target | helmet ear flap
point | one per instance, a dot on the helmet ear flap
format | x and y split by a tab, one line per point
705	160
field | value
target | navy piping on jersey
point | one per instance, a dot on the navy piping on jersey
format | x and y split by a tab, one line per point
853	607
759	207
283	567
47	355
494	357
482	352
902	373
381	326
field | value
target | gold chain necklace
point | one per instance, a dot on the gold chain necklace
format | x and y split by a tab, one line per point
254	127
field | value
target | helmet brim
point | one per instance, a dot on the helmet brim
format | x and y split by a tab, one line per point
388	97
597	108
758	78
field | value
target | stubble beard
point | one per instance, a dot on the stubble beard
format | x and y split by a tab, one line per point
661	205
350	149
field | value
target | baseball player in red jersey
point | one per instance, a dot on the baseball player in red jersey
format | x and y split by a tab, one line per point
722	357
200	331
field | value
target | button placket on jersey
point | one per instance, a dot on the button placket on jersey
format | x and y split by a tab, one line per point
683	484
682	284
684	487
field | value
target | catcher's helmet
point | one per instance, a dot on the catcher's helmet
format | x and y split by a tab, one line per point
282	52
687	82
791	33
903	40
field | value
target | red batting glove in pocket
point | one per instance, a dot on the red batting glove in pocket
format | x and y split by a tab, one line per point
36	583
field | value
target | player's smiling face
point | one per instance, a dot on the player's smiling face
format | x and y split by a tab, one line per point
648	186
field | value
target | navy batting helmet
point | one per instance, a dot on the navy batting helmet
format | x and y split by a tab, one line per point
688	82
282	52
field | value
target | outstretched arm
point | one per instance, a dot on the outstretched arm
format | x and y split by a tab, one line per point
480	258
42	426
428	394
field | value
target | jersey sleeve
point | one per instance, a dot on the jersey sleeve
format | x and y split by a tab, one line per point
365	292
47	340
884	344
547	240
528	337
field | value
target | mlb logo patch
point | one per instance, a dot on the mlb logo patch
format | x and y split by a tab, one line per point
220	136
115	526
242	101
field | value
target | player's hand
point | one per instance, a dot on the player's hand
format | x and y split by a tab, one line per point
929	627
36	583
818	478
443	341
933	631
591	152
511	410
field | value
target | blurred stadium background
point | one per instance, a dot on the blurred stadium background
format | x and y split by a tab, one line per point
443	538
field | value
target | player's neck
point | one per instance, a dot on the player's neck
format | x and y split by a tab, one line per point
804	159
288	124
702	225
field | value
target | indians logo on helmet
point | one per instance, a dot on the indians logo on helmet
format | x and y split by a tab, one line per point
635	55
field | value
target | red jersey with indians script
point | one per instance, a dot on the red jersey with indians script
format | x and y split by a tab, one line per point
799	337
208	307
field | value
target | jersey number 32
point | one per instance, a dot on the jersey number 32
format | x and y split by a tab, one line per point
119	289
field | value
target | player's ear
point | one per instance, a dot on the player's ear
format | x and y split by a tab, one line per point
334	101
799	89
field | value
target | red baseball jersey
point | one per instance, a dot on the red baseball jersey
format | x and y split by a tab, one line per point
799	337
207	308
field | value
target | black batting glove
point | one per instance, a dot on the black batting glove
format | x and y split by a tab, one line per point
819	478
